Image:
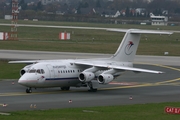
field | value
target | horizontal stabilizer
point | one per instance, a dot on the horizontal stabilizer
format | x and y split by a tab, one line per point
27	62
138	31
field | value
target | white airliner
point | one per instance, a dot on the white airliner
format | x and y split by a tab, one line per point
85	72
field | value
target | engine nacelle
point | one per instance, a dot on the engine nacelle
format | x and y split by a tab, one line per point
86	76
22	72
105	78
25	69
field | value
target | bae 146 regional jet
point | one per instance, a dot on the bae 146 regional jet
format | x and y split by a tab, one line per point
85	72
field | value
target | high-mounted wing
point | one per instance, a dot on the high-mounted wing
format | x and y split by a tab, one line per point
117	67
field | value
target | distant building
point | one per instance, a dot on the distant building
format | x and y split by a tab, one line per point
45	2
159	20
111	13
140	11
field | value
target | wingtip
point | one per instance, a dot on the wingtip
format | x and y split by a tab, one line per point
161	72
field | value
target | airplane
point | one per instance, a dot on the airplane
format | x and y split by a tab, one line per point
85	72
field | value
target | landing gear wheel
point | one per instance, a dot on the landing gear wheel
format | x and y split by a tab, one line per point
65	88
92	90
28	90
91	87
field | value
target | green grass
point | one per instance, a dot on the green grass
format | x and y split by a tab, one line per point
10	71
149	47
122	112
91	41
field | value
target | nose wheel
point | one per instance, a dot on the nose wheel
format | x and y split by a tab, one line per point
28	90
65	88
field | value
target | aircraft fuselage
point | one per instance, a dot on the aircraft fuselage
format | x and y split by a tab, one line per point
59	73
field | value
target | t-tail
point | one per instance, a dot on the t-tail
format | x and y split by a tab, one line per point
128	47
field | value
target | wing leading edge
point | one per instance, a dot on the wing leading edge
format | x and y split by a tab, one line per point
118	67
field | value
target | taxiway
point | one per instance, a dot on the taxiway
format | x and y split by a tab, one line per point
130	88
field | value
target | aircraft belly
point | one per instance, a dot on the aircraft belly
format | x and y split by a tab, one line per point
60	82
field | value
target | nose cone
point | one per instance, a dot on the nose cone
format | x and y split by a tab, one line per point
28	80
22	80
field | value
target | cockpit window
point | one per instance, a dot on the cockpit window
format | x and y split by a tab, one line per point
32	71
40	71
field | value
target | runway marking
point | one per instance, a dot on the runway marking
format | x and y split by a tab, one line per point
122	83
173	84
120	87
34	93
15	94
168	81
164	66
110	88
12	94
144	85
168	67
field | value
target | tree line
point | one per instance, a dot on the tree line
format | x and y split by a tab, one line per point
73	8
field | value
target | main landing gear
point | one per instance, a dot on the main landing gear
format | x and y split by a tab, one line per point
93	85
92	90
28	90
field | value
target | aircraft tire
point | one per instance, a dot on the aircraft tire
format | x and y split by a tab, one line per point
92	90
28	90
65	88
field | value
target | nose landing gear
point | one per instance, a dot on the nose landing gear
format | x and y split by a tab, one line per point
65	88
28	90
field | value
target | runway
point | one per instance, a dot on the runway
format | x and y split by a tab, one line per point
142	87
37	55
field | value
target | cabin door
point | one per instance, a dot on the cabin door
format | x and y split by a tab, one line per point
51	71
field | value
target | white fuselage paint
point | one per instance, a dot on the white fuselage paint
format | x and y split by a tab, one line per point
61	73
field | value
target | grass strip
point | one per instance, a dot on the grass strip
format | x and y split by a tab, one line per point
152	111
10	71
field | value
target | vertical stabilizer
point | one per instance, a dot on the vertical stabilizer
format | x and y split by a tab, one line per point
128	47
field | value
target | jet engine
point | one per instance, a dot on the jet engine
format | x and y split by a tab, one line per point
86	76
25	69
105	78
